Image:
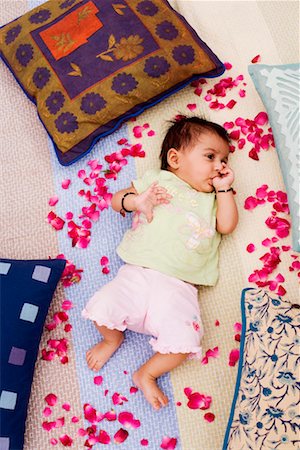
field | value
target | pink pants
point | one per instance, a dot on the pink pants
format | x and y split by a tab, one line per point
150	302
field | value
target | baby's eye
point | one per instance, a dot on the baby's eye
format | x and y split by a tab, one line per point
210	156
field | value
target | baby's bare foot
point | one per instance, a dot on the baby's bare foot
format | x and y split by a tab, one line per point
98	355
151	391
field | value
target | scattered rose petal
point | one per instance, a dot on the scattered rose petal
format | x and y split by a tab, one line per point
110	415
118	399
91	414
192	106
261	118
53	200
234	357
231	104
69	215
197	400
133	390
127	419
56	222
104	261
47	412
210	354
237	327
60	422
53	441
65	184
51	399
98	380
217	323
66	440
120	436
168	443
209	417
250	203
144	442
281	291
66	406
67	304
228	65
250	248
103	437
256	59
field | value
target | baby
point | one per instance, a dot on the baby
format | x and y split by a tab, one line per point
172	247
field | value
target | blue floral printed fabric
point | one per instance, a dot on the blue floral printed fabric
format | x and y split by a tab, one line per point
265	409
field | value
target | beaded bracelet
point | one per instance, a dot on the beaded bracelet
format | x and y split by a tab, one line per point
123	210
225	190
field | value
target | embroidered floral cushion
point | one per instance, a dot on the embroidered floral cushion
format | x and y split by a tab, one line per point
279	89
26	290
264	412
88	65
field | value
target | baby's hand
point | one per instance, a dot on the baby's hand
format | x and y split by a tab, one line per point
153	196
224	179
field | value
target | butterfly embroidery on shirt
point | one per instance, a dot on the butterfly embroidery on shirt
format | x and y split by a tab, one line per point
198	229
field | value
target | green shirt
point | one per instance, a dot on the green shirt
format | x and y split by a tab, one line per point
181	240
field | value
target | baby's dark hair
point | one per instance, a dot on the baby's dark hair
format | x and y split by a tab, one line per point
184	131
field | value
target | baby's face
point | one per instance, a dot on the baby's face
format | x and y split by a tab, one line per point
202	161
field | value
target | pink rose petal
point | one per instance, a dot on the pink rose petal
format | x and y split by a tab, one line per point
65	184
98	380
237	327
118	399
127	420
250	248
104	261
66	406
191	106
47	412
120	436
133	390
51	399
168	443
110	415
144	442
103	437
53	200
67	304
261	118
231	104
209	417
66	440
256	59
228	65
250	203
234	357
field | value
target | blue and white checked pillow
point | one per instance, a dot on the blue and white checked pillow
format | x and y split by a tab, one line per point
26	290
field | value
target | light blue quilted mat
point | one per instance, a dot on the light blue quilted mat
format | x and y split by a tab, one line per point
105	235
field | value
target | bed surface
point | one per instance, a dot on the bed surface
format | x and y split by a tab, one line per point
237	31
